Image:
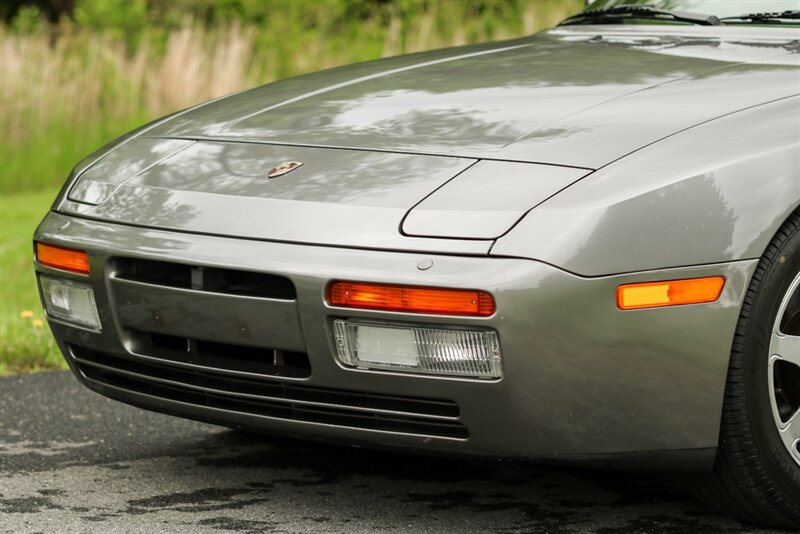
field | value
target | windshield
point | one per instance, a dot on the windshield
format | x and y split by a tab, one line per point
719	8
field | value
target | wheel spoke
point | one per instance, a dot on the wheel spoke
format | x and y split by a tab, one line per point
790	433
786	347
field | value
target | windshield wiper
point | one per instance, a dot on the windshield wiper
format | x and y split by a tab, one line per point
617	13
770	18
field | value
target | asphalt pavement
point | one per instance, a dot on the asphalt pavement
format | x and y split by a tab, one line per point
73	461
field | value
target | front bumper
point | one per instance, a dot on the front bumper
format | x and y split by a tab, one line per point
581	378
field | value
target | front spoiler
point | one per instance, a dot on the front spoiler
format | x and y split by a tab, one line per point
582	381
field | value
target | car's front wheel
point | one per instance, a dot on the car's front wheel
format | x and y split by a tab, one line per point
756	475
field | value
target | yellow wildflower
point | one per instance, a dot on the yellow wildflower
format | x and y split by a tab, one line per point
27	314
37	323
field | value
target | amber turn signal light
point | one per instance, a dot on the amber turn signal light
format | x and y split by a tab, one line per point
66	259
410	299
669	293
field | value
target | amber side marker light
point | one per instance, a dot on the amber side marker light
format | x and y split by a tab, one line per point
410	299
669	293
66	259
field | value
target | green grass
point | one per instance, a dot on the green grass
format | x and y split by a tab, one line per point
26	344
44	160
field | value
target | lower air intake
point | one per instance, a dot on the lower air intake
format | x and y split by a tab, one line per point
271	398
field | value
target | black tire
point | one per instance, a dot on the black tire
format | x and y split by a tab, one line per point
754	477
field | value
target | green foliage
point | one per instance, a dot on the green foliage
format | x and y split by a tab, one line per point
28	20
122	19
45	160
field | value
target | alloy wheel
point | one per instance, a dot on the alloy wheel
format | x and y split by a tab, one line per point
784	370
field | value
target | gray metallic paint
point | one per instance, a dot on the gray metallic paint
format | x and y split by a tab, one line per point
579	96
338	197
660	152
581	377
714	193
598	92
487	199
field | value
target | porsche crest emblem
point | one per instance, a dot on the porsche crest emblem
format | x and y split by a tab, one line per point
283	168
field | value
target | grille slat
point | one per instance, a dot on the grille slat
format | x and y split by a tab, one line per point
224	358
272	398
208	279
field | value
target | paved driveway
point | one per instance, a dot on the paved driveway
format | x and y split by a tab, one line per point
73	461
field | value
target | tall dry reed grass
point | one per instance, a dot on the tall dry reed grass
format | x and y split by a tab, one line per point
83	77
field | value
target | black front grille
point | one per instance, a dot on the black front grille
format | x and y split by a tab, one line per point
211	279
223	356
271	398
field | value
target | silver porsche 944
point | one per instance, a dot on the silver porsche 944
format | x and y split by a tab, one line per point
581	246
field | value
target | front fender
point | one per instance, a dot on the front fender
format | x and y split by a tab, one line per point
716	192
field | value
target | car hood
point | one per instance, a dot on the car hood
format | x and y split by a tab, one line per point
580	96
405	153
342	197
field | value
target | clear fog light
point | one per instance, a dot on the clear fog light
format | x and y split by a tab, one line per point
471	353
70	302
